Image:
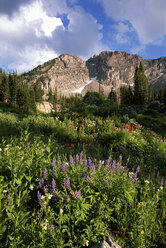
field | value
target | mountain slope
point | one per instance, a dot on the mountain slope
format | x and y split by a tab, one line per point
70	74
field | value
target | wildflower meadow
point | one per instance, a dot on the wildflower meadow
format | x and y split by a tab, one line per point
68	179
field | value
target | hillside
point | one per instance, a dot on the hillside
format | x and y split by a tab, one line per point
69	74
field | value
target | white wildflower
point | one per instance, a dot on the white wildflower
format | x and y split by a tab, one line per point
146	181
31	187
87	243
50	196
61	211
45	227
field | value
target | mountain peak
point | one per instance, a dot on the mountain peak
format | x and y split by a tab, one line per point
69	73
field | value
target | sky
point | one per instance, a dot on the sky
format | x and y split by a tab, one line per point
35	31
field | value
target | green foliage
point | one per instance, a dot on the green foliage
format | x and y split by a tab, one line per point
13	81
38	92
140	86
112	96
106	193
126	95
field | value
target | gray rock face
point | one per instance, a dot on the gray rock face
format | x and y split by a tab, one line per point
117	69
69	73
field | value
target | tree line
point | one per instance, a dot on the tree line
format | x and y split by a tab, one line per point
141	93
18	93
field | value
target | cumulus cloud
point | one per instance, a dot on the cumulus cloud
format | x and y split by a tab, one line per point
122	31
9	7
24	37
82	38
34	34
147	18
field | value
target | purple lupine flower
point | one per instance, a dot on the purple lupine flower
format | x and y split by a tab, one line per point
53	168
81	156
113	165
85	163
120	158
99	165
71	160
137	170
92	168
45	174
107	162
8	196
67	184
41	183
53	184
89	162
134	178
64	167
78	194
52	227
108	183
77	159
83	175
55	197
117	170
39	198
68	199
88	179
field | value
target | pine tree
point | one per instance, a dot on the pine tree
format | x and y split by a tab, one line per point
164	96
50	96
4	91
140	86
39	92
112	96
13	81
23	96
32	99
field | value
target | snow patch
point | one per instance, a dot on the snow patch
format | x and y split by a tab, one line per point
81	89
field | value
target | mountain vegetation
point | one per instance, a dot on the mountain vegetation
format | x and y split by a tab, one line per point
70	178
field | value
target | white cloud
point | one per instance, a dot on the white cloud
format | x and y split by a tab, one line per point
25	35
31	56
122	38
83	36
148	17
34	34
137	49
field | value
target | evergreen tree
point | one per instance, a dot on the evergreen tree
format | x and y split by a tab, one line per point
13	88
164	96
140	86
4	88
101	91
112	96
39	92
32	99
23	97
50	96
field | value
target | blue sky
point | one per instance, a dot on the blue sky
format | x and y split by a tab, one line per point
35	31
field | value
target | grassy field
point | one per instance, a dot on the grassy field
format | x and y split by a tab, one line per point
68	179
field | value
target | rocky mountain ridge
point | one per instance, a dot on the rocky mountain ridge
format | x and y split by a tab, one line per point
70	74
